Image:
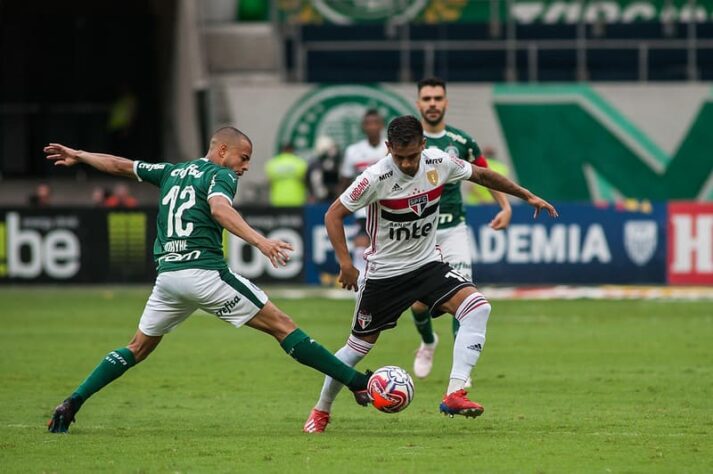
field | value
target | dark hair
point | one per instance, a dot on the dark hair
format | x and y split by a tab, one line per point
371	113
229	133
404	130
431	82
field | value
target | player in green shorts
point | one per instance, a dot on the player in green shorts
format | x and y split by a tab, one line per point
452	235
195	205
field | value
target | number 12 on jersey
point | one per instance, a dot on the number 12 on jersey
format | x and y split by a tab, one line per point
187	198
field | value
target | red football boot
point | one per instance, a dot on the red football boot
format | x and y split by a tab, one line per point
458	404
317	421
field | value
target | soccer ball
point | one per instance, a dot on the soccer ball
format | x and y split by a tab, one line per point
391	389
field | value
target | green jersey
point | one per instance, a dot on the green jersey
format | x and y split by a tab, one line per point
186	234
458	144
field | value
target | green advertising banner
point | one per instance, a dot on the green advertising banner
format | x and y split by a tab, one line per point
597	152
346	12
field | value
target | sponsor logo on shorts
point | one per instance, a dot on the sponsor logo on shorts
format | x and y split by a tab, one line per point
228	306
364	319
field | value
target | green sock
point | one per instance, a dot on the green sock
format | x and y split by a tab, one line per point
456	326
309	352
109	369
422	320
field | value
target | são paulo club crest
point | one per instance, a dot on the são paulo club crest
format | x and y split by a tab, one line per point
363	319
336	112
418	204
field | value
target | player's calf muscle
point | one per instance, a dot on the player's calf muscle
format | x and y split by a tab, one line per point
273	321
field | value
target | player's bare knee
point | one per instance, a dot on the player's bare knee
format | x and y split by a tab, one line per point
452	305
370	338
419	307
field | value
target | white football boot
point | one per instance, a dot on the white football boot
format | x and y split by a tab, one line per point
423	362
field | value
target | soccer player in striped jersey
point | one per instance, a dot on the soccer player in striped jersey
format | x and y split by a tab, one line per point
402	193
195	205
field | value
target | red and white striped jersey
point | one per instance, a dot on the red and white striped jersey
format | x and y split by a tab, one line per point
402	211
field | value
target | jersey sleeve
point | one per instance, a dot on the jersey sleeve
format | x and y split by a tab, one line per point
456	169
361	192
481	161
151	172
346	170
224	184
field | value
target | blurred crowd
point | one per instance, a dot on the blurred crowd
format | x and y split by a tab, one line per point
119	196
321	175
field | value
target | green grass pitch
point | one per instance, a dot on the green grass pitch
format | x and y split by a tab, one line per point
568	386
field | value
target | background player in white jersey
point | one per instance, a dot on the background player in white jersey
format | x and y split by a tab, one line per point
402	193
358	157
453	235
195	205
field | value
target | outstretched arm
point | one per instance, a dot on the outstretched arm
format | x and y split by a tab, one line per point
334	222
65	156
231	220
490	179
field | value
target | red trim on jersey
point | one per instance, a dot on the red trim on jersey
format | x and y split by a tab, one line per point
362	165
374	225
481	161
402	203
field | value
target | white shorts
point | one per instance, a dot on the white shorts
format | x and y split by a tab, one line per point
455	246
176	295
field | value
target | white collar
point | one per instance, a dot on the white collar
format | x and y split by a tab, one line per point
440	134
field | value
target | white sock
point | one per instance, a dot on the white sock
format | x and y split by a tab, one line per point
455	384
473	317
351	354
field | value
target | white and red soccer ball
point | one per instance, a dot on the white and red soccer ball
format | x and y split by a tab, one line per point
391	389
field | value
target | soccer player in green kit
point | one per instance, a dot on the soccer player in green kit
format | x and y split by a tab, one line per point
195	205
452	235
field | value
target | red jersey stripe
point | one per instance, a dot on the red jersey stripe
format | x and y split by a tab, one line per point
402	203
